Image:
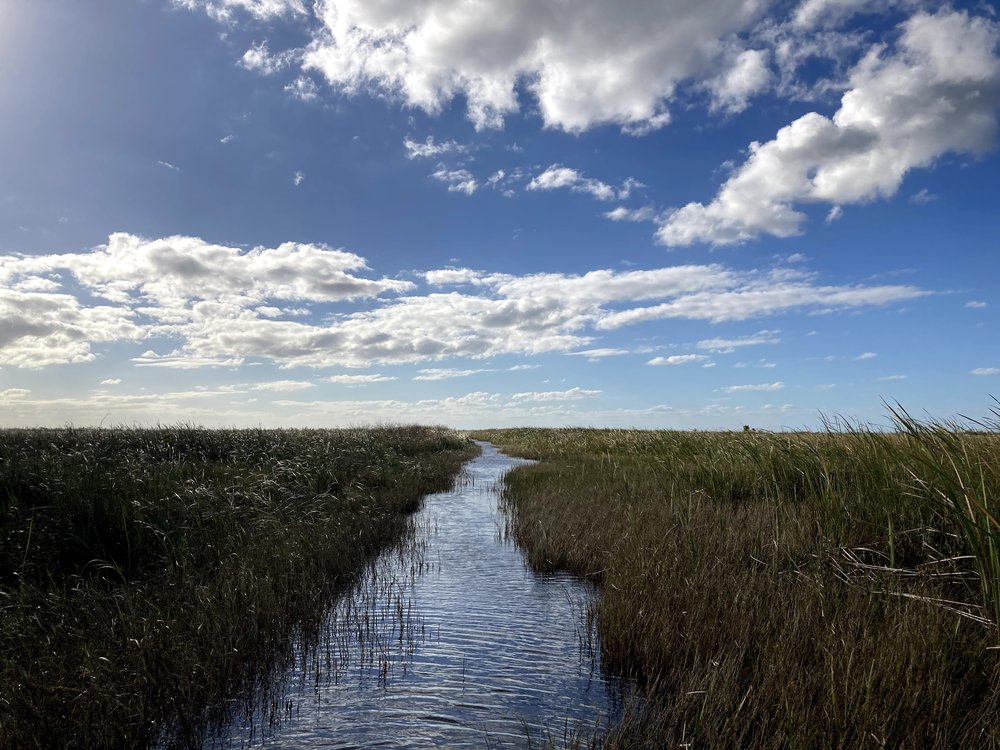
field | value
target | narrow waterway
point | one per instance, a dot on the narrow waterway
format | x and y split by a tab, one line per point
449	641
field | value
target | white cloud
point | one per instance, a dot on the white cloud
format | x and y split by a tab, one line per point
754	387
168	165
261	10
985	371
303	88
975	305
558	176
598	353
865	355
728	345
452	276
601	63
888	378
228	138
522	367
815	13
361	379
176	271
922	197
283	386
746	75
111	381
41	329
645	213
458	180
446	373
430	149
218	306
573	394
298	178
835	213
937	92
180	361
259	58
677	359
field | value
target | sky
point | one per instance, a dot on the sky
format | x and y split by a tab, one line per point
692	214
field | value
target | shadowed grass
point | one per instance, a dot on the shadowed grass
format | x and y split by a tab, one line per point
147	576
781	590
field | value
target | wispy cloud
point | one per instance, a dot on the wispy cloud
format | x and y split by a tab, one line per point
677	359
360	379
457	180
985	371
444	373
728	345
573	394
430	149
777	386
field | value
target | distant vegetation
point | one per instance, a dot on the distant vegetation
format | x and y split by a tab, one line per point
148	576
839	589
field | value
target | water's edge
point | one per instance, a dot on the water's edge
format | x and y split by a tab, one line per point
449	640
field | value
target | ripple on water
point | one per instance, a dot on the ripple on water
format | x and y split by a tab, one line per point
452	643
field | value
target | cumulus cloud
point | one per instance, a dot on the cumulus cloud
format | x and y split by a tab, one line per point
41	329
558	176
111	381
220	306
748	73
176	271
975	305
936	92
600	63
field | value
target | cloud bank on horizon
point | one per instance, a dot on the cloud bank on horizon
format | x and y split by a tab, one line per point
615	144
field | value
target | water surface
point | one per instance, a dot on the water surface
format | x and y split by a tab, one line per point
449	641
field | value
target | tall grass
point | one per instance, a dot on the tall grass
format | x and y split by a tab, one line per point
149	576
836	589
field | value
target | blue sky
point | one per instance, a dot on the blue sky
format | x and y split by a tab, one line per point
653	214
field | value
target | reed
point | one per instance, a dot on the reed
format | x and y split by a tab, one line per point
832	589
153	579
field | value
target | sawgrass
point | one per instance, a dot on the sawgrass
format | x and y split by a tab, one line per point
834	589
152	579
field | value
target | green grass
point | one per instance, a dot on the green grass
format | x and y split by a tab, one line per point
837	589
149	576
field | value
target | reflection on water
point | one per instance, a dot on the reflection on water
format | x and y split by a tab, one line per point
449	641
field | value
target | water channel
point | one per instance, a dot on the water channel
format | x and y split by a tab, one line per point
448	642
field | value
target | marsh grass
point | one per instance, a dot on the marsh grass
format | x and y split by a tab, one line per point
151	581
834	589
